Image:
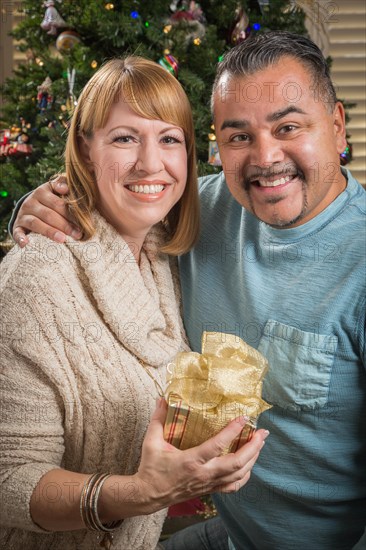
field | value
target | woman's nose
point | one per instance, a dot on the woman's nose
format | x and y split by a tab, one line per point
150	157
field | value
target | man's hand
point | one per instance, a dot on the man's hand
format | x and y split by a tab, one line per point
45	212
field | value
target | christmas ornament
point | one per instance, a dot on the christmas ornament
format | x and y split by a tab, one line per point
67	40
346	156
188	11
241	28
169	63
52	20
71	100
191	15
213	149
14	142
44	97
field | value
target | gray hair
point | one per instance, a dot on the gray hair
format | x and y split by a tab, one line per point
259	51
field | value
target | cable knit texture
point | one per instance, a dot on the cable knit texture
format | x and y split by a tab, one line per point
77	318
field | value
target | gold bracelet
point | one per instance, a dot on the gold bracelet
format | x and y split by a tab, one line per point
89	509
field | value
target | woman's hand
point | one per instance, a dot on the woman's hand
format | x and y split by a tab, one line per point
45	212
167	475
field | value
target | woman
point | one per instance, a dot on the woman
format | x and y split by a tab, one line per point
91	326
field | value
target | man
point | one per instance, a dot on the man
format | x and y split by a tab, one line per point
280	263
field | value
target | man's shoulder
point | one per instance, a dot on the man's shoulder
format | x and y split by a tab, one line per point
212	185
356	193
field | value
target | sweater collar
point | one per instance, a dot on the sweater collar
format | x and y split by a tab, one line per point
139	305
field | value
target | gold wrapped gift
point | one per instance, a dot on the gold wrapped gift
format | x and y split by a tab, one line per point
206	391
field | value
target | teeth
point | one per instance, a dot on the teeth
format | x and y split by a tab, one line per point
275	183
146	188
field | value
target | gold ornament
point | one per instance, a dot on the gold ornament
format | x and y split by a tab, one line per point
67	40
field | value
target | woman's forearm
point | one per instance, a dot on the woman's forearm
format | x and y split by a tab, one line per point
55	502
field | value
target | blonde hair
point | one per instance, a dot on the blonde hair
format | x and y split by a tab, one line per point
152	93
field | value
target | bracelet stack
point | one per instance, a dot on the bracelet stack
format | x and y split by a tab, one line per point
89	509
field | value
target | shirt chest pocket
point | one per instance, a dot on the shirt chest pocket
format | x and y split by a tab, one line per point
300	366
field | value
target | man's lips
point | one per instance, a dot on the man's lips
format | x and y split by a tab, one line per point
270	180
279	181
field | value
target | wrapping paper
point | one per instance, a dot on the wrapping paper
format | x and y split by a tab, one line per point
206	391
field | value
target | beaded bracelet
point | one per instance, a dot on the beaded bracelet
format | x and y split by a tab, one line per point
89	509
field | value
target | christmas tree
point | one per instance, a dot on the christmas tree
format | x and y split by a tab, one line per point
67	41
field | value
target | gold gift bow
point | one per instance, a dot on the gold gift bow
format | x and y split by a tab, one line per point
205	391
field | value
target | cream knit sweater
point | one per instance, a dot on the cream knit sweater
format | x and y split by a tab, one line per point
75	319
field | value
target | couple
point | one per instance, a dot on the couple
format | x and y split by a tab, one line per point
279	262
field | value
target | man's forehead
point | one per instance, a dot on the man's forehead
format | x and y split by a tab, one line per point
287	82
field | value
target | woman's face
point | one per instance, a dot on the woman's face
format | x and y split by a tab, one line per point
140	166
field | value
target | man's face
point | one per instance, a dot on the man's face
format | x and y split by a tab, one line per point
279	143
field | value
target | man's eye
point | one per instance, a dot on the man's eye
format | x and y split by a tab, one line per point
239	138
287	129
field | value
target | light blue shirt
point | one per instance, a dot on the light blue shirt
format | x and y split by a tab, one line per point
297	295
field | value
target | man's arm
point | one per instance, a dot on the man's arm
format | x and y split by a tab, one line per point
43	211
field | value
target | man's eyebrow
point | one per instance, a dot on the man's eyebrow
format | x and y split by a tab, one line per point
240	124
235	123
284	112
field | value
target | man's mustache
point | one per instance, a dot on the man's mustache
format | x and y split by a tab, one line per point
254	172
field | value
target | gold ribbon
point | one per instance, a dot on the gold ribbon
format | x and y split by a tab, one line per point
206	391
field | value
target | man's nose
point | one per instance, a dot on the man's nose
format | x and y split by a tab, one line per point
266	150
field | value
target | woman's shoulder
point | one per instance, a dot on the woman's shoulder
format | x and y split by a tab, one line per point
42	259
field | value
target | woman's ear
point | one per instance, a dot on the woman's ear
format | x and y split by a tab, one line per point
84	150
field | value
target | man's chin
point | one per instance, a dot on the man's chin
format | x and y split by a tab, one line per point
280	222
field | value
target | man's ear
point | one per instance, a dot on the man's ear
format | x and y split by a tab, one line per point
339	121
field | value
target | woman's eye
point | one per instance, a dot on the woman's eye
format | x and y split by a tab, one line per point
123	139
171	139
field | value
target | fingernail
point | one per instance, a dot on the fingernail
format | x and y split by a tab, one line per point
59	237
266	434
76	234
61	185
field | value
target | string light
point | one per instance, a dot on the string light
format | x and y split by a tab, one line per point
167	29
197	41
134	14
256	26
109	6
94	64
3	193
166	52
147	24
